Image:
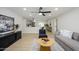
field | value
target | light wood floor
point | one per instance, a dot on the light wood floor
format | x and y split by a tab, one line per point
26	43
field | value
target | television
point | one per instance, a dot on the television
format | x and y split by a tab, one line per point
6	23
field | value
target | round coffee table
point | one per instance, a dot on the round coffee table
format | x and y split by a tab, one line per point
45	46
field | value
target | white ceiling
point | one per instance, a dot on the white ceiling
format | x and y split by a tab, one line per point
28	13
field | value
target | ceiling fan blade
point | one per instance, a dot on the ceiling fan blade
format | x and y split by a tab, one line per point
45	11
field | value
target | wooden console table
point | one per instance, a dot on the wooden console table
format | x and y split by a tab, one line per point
8	39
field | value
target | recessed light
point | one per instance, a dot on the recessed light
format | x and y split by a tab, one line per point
56	9
40	13
24	9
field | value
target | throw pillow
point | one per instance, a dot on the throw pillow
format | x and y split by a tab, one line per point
75	36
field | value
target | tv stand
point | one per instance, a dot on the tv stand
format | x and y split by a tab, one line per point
8	39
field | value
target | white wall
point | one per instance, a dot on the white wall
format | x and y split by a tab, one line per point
32	29
69	21
18	19
29	29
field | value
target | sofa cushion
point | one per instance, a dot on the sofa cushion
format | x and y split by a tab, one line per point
66	33
69	42
75	36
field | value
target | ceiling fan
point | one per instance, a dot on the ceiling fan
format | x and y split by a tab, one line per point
42	12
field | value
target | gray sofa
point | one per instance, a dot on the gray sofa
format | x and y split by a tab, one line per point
67	43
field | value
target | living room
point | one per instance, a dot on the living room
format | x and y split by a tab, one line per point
62	25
